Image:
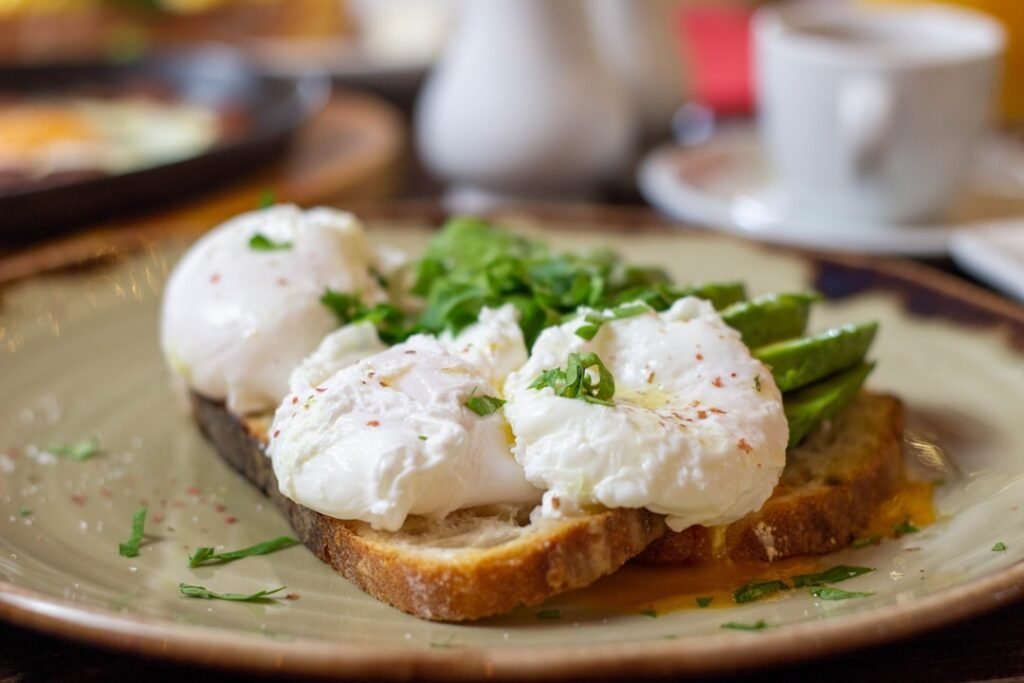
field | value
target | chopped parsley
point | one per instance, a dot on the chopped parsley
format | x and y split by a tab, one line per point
344	306
24	512
549	614
484	405
755	590
206	555
391	323
739	626
703	602
77	451
206	594
130	548
472	264
831	593
260	242
999	547
904	528
575	382
592	322
649	613
267	199
866	541
834	575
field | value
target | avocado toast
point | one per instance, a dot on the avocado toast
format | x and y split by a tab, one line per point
844	454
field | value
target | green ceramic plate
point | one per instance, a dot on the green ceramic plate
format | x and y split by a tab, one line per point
79	359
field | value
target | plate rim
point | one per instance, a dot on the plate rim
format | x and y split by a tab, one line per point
719	653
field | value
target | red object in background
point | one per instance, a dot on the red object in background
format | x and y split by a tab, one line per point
716	41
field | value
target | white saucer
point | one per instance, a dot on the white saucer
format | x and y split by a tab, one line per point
726	184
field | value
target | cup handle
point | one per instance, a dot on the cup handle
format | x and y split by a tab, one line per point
866	108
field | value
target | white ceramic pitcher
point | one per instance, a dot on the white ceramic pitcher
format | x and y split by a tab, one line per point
521	106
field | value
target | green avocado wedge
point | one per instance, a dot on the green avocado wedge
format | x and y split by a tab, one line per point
798	362
808	407
770	318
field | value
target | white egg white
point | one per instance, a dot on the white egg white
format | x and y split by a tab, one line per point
392	436
236	321
697	430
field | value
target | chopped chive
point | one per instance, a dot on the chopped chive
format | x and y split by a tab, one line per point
130	548
422	438
755	590
866	541
267	198
206	594
77	451
649	613
739	626
260	242
833	575
832	593
999	547
703	602
904	527
549	614
207	555
24	512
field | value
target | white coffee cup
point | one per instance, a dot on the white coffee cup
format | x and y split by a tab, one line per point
871	113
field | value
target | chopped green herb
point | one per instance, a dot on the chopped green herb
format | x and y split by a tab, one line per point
755	590
594	321
422	438
267	199
904	528
484	405
260	242
831	593
78	451
834	575
205	594
207	555
704	602
649	613
575	382
471	264
130	548
392	324
549	614
866	541
738	626
999	547
344	306
448	642
757	383
24	512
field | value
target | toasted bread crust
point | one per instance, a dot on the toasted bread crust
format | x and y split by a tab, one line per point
831	486
468	585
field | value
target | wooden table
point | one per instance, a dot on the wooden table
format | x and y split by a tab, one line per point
985	648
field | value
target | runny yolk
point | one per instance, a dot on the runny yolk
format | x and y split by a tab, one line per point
636	588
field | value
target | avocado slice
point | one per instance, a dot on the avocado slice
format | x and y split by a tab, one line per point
808	407
799	362
770	318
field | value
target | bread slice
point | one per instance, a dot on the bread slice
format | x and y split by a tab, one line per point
830	487
487	561
475	563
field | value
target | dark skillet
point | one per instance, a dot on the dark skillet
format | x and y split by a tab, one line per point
261	112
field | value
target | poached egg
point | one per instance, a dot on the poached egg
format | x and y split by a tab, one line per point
236	321
696	431
392	436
